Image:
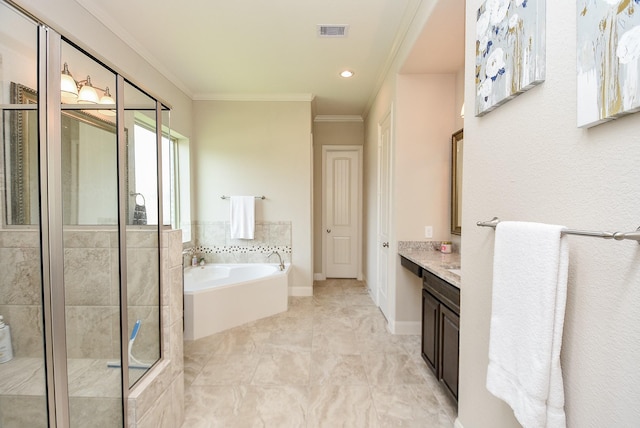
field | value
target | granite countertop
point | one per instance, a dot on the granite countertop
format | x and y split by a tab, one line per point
439	264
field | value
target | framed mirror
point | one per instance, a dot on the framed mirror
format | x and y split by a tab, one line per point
457	144
89	161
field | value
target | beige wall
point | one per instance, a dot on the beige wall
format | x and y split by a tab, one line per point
425	120
528	161
257	148
349	133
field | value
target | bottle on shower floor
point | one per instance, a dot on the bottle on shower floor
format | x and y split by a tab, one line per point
6	351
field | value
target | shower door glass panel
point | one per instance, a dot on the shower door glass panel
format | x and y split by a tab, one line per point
143	255
91	249
22	359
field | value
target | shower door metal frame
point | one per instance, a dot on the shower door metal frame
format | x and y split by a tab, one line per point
51	225
52	245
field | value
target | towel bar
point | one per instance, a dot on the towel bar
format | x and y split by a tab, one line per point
618	236
257	197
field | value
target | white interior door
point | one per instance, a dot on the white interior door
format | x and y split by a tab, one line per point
384	157
342	212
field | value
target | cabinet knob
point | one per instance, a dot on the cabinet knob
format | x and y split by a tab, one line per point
328	230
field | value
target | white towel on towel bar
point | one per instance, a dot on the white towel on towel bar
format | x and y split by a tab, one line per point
528	304
242	214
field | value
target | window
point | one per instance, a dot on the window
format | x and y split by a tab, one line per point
175	176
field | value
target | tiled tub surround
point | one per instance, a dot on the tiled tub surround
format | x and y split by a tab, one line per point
424	254
213	242
92	298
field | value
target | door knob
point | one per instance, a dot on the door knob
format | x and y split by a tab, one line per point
328	230
385	245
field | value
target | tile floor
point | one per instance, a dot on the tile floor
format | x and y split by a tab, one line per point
327	362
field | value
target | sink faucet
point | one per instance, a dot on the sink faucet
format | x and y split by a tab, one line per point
281	265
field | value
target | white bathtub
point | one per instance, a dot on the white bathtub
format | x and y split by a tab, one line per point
222	296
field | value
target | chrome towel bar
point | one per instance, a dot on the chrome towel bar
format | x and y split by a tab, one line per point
229	197
618	236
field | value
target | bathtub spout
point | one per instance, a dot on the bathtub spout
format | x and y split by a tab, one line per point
281	265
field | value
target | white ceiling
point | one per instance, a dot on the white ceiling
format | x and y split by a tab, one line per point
253	49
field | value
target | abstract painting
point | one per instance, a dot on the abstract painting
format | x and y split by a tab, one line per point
510	50
608	66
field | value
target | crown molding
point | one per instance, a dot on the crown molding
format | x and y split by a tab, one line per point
254	97
338	118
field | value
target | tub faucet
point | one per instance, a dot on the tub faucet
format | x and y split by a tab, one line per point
281	265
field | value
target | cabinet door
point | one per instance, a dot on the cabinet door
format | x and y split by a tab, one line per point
449	346
430	329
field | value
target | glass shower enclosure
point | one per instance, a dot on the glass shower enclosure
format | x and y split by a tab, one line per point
80	251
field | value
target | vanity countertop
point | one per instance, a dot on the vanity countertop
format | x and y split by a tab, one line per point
434	261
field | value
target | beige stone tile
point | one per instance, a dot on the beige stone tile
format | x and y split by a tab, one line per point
244	340
143	276
381	343
20	282
336	369
23	238
27	336
392	369
335	381
95	412
341	406
93	378
229	369
22	377
368	320
283	368
212	406
288	340
91	331
87	276
335	341
332	325
408	406
23	411
273	406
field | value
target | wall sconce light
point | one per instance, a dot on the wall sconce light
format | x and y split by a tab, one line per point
68	86
83	92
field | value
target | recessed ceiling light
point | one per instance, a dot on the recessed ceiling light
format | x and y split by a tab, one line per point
347	73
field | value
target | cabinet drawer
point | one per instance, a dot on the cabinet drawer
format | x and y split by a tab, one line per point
411	266
442	290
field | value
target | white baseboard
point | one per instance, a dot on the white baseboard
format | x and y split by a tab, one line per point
457	424
319	277
405	327
301	291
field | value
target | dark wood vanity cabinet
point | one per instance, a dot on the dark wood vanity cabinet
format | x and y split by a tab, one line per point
441	329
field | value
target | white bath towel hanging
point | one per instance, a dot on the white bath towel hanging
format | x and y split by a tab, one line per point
242	213
528	305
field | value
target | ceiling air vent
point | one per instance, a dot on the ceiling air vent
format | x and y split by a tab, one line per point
333	30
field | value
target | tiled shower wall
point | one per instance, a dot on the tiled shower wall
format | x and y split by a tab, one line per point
91	291
91	295
20	290
213	242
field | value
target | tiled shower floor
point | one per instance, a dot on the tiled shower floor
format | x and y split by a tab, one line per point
327	362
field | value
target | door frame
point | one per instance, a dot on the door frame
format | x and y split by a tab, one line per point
359	151
390	271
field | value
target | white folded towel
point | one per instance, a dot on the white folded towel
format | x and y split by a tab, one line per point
528	304
242	213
